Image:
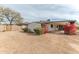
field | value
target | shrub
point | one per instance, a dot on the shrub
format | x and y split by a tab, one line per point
25	29
38	31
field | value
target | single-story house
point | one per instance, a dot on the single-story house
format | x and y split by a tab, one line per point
49	26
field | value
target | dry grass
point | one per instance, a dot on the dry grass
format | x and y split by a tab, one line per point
18	42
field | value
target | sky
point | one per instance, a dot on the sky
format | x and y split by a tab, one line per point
36	12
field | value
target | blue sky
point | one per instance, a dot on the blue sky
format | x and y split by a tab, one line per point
36	12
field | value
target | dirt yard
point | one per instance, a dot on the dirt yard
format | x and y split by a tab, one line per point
19	42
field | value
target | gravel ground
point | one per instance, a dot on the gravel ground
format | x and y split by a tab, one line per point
17	42
57	43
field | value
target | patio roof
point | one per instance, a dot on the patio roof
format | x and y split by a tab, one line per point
55	21
50	21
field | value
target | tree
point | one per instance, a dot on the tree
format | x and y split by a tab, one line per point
10	16
1	16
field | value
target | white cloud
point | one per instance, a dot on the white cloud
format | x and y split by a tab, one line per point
44	11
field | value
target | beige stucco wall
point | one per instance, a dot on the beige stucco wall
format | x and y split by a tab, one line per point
55	24
14	28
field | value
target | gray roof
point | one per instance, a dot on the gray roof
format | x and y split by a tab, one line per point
54	21
50	21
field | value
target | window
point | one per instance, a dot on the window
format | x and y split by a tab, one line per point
51	25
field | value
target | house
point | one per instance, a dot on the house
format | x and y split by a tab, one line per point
48	26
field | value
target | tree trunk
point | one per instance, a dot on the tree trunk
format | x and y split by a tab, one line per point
10	26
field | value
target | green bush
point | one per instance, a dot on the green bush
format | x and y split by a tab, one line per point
38	31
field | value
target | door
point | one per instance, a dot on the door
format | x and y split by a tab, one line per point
60	27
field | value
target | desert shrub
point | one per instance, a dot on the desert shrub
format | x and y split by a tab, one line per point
25	29
38	31
19	24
